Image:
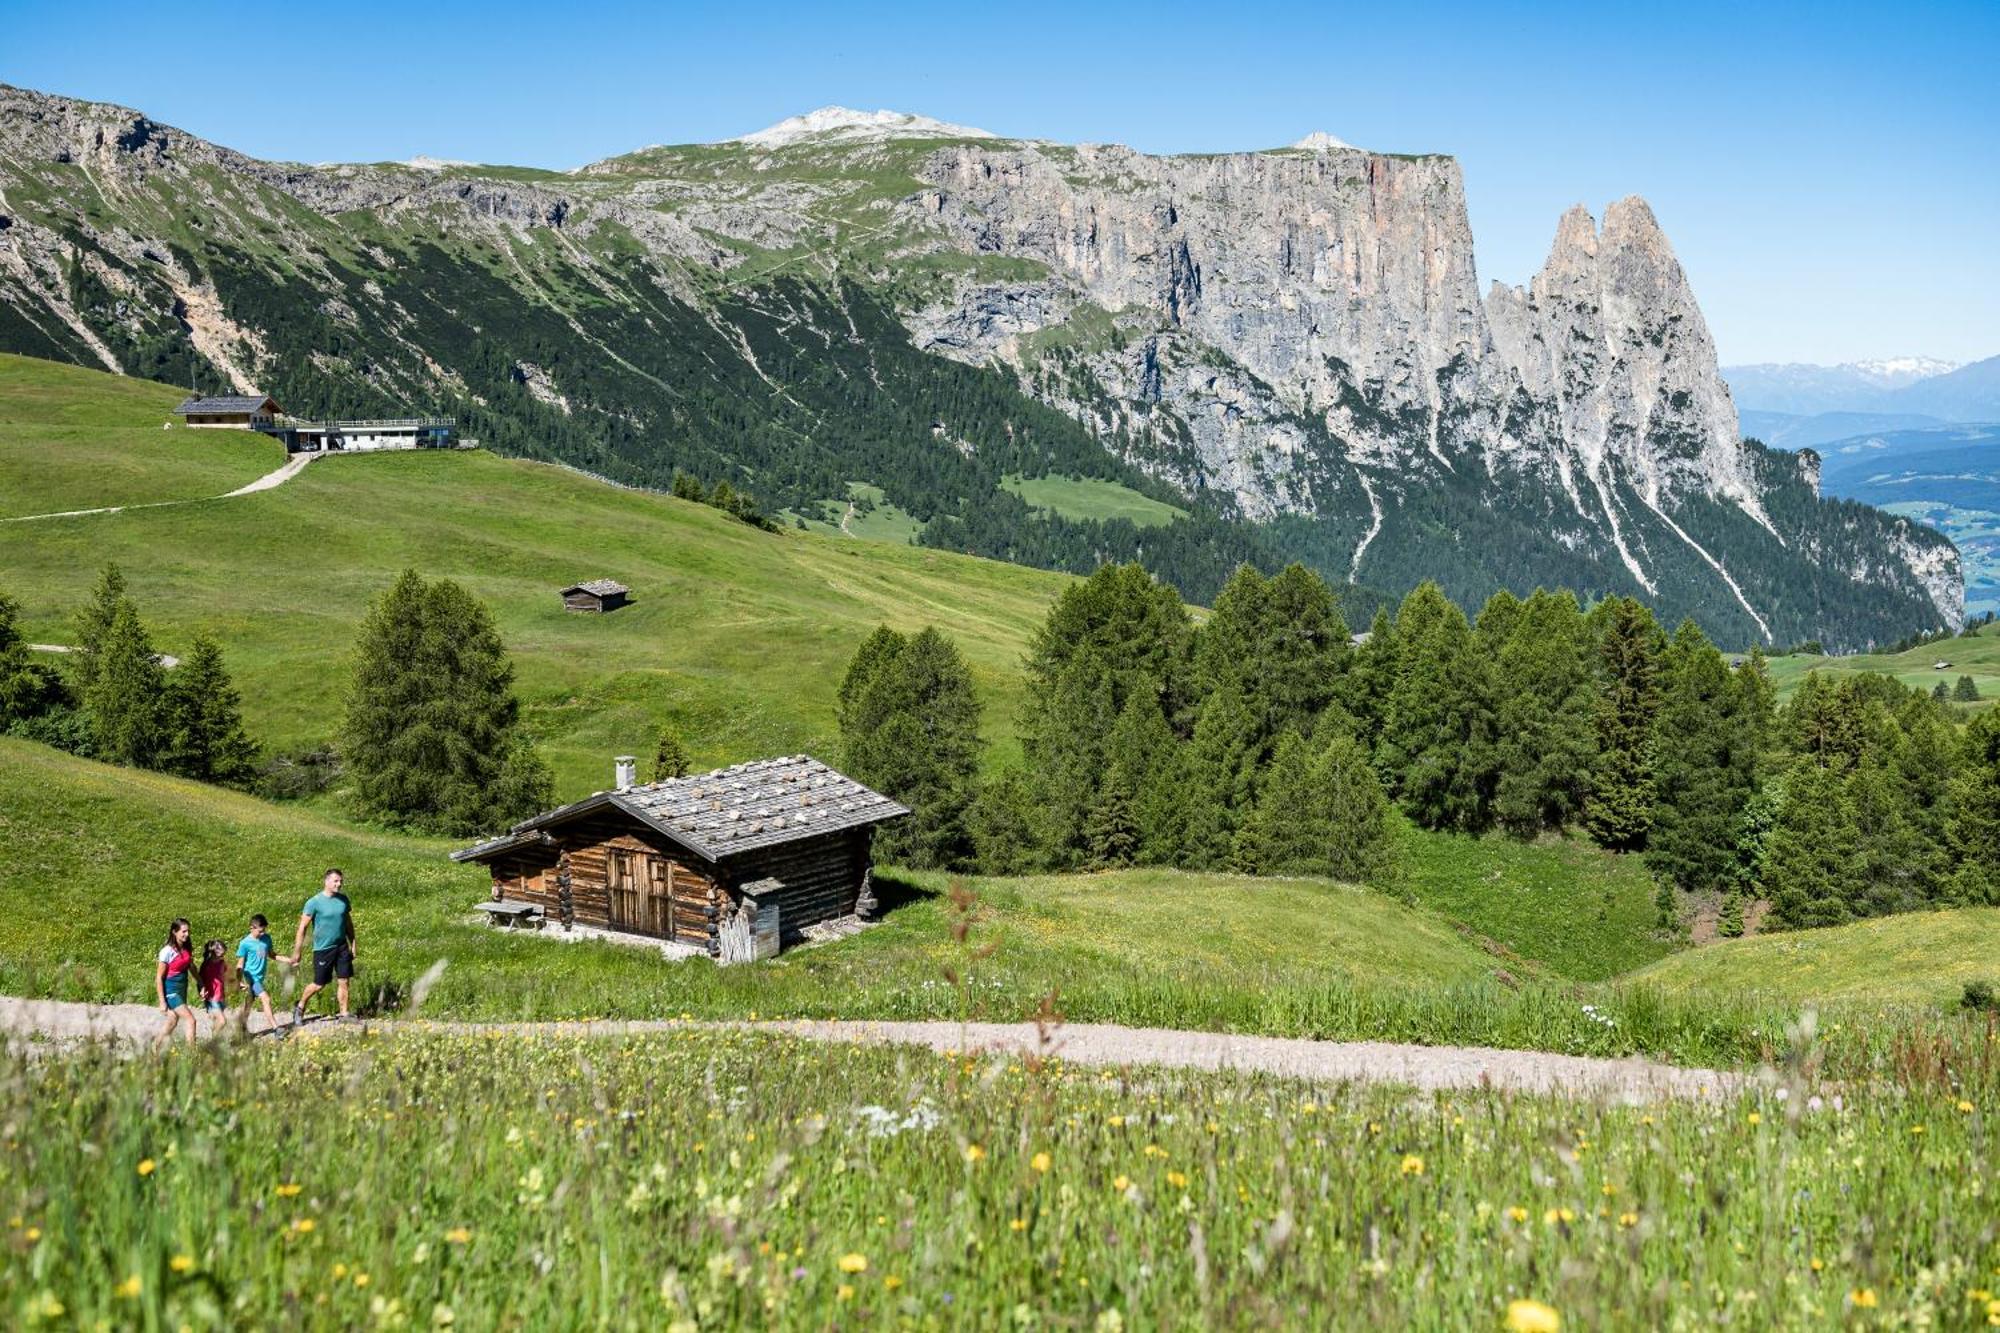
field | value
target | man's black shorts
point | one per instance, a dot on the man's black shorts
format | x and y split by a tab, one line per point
330	963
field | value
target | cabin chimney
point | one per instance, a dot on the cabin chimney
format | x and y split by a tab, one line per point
628	772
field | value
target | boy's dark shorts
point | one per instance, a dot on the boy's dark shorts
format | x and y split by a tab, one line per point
330	963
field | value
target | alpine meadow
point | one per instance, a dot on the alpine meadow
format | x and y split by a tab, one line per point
882	724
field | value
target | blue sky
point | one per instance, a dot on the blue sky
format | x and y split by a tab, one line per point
1828	174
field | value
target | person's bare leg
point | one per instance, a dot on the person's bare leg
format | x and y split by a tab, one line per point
340	989
166	1032
270	1016
193	1025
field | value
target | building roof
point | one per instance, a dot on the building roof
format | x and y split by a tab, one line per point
722	814
597	588
225	403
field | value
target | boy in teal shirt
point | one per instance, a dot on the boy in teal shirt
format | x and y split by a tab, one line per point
253	956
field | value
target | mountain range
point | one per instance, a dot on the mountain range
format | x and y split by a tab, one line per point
1795	405
1286	347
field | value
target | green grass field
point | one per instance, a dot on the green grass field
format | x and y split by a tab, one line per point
1092	498
1976	655
1923	957
702	1180
80	439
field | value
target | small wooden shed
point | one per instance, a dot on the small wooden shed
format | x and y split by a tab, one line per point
597	595
681	860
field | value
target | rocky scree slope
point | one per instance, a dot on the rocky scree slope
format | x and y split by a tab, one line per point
1288	344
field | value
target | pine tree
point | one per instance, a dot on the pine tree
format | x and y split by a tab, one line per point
1757	702
1730	924
431	738
1436	749
1887	875
910	729
1965	692
1497	620
1619	811
1219	777
1809	872
1941	692
93	623
27	688
126	692
670	757
1973	826
1703	766
1003	824
1923	758
1546	735
1141	768
1280	642
202	722
1321	812
1370	679
1111	835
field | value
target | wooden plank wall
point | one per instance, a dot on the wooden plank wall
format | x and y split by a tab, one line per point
820	878
530	875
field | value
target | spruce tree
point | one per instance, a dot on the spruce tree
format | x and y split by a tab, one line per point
1757	703
93	623
1703	767
202	722
1003	823
1965	692
1497	620
1923	758
1321	811
1370	679
1219	776
1436	749
1941	692
670	757
432	738
1142	769
1810	869
1729	925
1546	734
1280	642
27	688
1619	810
910	729
126	693
1973	825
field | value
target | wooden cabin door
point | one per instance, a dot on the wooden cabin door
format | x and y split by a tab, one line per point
659	897
624	886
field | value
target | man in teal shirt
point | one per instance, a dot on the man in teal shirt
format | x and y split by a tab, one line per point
331	918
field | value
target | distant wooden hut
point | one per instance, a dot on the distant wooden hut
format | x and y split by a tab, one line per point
780	843
597	595
237	411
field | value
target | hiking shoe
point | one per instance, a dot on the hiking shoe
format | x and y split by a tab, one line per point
298	1014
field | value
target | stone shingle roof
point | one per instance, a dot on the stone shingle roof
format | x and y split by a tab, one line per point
722	814
223	403
597	588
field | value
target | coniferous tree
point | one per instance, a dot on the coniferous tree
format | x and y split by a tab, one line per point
1887	874
1436	750
1729	925
1142	769
1758	703
27	688
910	729
1973	825
1546	736
1923	758
1219	778
202	720
1965	691
1703	766
127	688
432	736
1941	692
1497	620
1321	812
1111	835
670	757
93	623
1003	823
1281	643
1619	811
1370	678
1809	871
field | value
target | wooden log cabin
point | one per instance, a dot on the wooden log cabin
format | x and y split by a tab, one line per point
678	860
598	595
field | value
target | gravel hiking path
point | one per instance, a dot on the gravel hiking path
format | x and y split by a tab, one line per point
1426	1068
277	477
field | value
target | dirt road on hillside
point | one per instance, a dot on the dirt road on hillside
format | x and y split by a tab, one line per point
1427	1068
274	478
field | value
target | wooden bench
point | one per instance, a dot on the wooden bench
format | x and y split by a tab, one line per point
512	913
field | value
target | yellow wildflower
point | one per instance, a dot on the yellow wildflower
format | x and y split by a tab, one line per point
1755	1118
1122	1183
1518	1213
1040	1161
1916	1129
1532	1317
1818	1263
459	1235
130	1288
303	1225
1178	1179
33	1233
1413	1165
1965	1106
184	1263
146	1167
853	1263
286	1191
1628	1219
1863	1298
360	1279
844	1292
891	1282
974	1153
1018	1224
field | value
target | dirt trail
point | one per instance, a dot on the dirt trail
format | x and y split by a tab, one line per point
1427	1068
277	477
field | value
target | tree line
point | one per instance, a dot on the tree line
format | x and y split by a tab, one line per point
1266	739
431	739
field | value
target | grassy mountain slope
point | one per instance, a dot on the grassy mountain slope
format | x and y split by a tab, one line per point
1916	956
1976	655
72	439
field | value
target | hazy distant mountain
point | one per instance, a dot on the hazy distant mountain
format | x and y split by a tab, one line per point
1948	477
1970	393
1807	390
1788	430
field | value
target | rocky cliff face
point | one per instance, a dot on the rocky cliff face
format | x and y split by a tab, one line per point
1292	339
